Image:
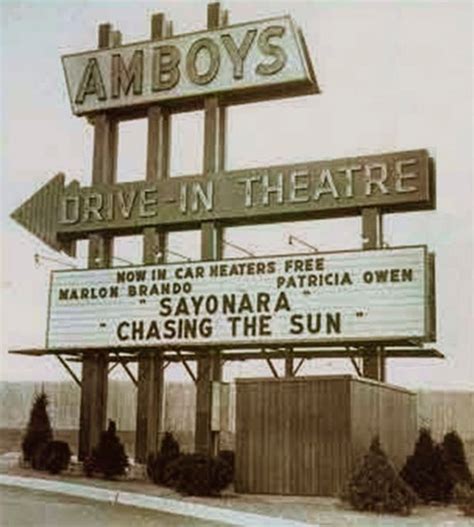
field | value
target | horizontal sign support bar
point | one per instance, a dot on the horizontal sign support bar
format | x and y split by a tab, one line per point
323	353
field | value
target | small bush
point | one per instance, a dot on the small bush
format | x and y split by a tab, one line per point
38	459
156	464
198	475
172	471
426	472
455	459
109	457
88	466
464	497
56	457
169	446
229	457
38	430
222	474
376	486
156	468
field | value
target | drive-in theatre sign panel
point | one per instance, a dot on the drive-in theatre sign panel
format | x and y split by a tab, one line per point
335	297
394	182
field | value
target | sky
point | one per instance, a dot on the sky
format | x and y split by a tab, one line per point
393	76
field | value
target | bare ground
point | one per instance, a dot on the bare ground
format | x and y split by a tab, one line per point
328	512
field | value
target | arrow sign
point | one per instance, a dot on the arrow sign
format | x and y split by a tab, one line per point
37	214
399	181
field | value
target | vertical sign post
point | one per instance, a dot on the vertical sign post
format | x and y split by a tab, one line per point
150	362
372	238
209	366
93	412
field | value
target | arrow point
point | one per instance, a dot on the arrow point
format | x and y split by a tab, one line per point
38	214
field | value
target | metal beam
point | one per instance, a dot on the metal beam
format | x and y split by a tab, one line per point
191	355
271	365
114	365
186	365
70	371
126	368
198	348
356	367
300	363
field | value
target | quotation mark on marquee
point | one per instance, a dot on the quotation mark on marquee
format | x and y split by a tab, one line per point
360	314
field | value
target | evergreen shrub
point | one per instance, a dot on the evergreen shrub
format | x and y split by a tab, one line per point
55	457
109	457
156	464
229	457
375	486
426	472
38	431
198	475
38	459
455	459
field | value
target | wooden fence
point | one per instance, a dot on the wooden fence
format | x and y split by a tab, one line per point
441	411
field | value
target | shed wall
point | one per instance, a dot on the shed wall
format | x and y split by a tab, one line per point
387	412
292	435
302	436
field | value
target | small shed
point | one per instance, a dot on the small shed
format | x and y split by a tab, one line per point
304	435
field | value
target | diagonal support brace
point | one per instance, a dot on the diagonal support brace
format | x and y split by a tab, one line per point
186	365
298	367
126	368
271	366
70	370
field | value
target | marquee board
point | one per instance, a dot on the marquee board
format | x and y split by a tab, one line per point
349	296
241	63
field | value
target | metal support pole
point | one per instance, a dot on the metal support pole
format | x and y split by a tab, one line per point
289	367
372	235
209	364
93	412
150	363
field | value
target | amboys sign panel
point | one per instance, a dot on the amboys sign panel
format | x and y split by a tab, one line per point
346	297
248	60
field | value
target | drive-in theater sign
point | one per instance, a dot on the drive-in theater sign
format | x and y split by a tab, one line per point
374	303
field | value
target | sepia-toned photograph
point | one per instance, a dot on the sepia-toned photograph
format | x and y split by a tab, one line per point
237	263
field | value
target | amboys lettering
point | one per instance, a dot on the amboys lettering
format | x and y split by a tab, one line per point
244	57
